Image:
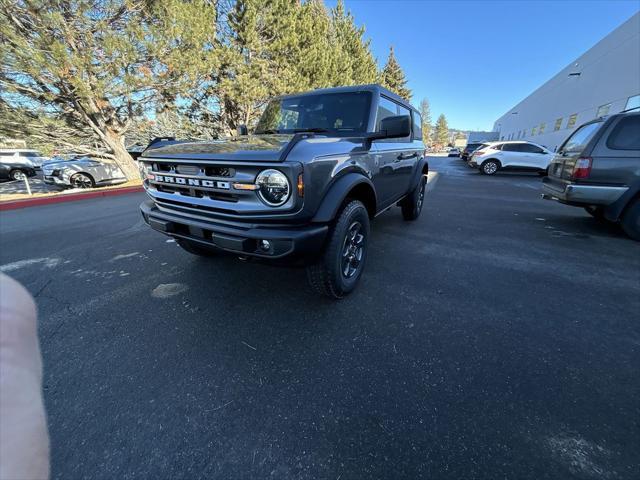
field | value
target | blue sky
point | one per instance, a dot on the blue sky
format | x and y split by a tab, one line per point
474	60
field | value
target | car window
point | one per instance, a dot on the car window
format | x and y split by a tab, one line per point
326	111
386	108
496	147
626	134
579	139
529	148
29	154
417	126
404	111
512	147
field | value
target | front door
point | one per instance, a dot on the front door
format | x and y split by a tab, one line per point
395	157
537	157
514	156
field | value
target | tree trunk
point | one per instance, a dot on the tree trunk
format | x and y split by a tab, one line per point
121	157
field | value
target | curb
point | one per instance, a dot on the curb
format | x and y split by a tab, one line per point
72	197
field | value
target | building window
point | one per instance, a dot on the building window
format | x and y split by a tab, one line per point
542	127
633	103
572	120
558	125
603	110
533	131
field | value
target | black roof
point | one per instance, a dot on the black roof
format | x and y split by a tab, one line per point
372	87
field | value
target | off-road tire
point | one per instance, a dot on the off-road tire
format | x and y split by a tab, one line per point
326	276
412	205
195	248
631	220
487	169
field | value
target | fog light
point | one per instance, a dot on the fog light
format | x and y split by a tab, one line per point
265	245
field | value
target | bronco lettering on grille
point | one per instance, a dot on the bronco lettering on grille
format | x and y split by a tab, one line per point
192	182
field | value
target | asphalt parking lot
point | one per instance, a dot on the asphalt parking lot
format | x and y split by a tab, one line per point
496	337
36	184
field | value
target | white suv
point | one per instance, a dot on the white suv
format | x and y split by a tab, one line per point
524	156
19	155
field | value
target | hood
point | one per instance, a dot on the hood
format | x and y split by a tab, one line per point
71	161
267	148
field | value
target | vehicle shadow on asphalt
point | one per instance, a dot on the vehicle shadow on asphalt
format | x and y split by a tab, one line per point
582	226
259	286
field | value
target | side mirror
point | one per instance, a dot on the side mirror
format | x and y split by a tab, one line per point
243	130
395	127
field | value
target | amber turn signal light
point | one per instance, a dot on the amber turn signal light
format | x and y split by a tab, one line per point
300	186
245	186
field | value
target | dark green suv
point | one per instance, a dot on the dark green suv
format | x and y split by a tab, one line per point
598	168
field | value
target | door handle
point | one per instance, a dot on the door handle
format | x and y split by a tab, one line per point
406	156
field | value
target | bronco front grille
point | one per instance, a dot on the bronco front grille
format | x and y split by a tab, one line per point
210	187
191	192
183	169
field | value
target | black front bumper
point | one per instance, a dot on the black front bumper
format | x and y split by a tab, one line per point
285	242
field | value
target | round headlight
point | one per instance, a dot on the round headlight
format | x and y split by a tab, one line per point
274	187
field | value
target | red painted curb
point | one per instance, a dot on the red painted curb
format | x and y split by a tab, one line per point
72	197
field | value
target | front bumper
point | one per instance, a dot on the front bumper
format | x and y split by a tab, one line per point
51	180
573	194
289	241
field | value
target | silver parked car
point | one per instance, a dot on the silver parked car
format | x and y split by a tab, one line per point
80	171
31	158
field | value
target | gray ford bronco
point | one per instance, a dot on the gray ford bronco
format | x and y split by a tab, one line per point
302	189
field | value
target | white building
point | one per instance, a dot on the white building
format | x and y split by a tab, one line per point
604	80
479	137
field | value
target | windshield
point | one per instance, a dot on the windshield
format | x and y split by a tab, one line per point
330	112
579	139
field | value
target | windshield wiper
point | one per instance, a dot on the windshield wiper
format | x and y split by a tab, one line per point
312	130
268	131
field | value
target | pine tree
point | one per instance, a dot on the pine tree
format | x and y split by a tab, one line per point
441	132
353	61
393	78
314	58
285	46
244	78
427	127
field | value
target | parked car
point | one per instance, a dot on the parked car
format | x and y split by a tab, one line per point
598	168
32	157
521	156
468	150
80	171
15	170
454	152
302	189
